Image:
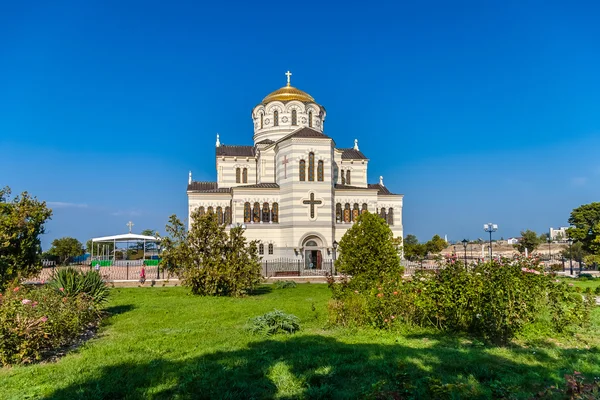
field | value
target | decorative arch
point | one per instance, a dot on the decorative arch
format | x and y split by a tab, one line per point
247	212
265	218
245	175
311	166
390	216
275	213
320	239
256	213
320	171
302	170
365	208
238	175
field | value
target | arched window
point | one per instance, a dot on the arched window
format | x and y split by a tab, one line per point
343	178
210	210
311	167
294	117
310	119
338	213
275	118
256	213
365	208
348	177
302	170
382	213
261	249
220	215
245	175
275	213
320	171
202	212
271	248
390	216
261	120
347	213
247	212
238	175
228	215
355	212
265	212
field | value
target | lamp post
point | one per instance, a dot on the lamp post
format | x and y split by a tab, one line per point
549	249
570	241
490	228
465	242
158	264
335	246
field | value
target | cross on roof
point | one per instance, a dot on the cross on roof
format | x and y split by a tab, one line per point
288	74
130	225
312	203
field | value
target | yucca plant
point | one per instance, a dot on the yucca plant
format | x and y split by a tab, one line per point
73	282
273	322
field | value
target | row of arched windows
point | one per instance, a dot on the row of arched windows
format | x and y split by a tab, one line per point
349	214
345	177
294	118
311	169
223	216
256	213
241	176
261	248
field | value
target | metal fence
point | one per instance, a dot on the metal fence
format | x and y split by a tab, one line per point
128	272
295	267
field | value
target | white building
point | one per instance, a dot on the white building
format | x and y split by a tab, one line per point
293	189
559	234
512	241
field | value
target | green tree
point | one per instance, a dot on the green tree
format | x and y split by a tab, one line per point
22	222
585	221
435	245
208	259
575	252
413	250
65	248
367	250
411	240
529	240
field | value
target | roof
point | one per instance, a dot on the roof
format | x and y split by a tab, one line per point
350	187
236	151
266	141
126	237
267	185
352	154
381	189
288	93
207	187
304	133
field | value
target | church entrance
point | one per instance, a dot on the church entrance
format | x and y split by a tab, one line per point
313	258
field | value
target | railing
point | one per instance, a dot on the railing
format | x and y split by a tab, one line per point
295	267
129	271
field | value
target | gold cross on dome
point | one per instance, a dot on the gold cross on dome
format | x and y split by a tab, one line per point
288	74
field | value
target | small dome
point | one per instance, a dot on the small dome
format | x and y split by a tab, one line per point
288	93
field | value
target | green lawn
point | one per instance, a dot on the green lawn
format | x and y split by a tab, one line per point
162	343
583	283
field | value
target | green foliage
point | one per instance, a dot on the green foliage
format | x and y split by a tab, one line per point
411	240
597	291
529	240
414	251
72	283
367	251
209	260
585	221
575	252
21	224
284	284
274	322
435	245
65	248
33	321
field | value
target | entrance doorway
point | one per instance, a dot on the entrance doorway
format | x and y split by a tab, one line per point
313	258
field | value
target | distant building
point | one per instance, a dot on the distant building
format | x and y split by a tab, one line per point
560	234
512	240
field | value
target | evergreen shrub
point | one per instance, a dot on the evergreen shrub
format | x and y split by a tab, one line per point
73	282
274	322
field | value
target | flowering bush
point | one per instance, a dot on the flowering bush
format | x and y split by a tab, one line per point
33	321
492	300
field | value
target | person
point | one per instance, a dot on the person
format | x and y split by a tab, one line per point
97	267
143	275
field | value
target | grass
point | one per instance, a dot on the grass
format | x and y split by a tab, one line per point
163	343
583	283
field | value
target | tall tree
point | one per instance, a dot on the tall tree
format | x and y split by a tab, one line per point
65	248
529	240
435	245
585	221
21	224
413	250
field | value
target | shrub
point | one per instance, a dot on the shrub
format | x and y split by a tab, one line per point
586	277
73	282
274	322
285	284
597	290
33	321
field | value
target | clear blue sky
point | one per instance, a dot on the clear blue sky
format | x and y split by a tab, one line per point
476	111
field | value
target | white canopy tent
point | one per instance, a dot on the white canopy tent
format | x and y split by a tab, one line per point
124	238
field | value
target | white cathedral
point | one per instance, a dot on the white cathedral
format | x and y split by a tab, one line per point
293	190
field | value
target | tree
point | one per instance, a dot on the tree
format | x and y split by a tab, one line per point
435	245
411	240
65	248
585	221
529	240
208	259
21	224
413	250
367	250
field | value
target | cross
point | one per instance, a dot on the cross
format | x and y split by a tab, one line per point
130	225
285	162
312	203
288	74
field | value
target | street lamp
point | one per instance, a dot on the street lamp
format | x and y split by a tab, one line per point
549	249
465	242
158	264
335	246
570	241
490	228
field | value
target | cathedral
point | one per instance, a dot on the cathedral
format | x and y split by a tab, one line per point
294	190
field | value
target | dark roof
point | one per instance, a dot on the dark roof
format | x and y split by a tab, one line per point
350	187
351	154
381	189
259	186
305	133
266	141
207	187
236	151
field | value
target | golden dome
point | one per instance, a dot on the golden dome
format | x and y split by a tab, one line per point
288	93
